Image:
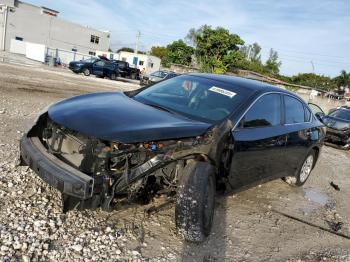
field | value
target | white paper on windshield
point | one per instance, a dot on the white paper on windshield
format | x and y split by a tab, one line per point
222	91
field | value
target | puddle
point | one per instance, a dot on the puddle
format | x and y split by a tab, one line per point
317	197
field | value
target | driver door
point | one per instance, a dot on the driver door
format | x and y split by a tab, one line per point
98	67
259	143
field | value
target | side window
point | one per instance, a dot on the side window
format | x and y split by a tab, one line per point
294	110
100	63
307	115
265	112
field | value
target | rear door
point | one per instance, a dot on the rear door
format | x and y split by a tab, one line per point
259	142
302	133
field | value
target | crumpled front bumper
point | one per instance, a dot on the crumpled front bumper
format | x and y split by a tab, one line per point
53	171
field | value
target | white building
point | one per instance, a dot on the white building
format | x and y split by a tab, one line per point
41	25
145	62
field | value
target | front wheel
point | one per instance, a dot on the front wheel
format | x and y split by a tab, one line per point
304	171
113	76
194	209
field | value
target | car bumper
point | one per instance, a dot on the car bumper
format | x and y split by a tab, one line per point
75	69
55	172
338	136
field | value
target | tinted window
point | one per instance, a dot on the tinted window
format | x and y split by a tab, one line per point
342	114
195	97
294	110
307	115
265	112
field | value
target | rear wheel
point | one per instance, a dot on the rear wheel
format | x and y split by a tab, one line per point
304	171
194	209
86	72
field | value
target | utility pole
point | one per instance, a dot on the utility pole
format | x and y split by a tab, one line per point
138	35
313	71
249	50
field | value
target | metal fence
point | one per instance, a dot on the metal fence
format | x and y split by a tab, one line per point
63	57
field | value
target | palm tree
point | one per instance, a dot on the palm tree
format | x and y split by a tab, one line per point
343	79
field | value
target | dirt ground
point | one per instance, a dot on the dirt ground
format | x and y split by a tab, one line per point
269	222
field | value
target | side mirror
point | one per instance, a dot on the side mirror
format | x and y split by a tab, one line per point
320	116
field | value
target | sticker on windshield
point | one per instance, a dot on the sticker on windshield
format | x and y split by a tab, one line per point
222	91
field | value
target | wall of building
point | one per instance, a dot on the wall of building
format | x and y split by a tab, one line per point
28	22
144	62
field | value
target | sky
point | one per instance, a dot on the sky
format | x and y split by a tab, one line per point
309	35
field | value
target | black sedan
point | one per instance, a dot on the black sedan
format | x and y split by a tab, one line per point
338	125
187	135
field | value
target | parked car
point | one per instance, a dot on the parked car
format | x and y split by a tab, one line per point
83	66
126	71
156	77
338	125
185	135
101	67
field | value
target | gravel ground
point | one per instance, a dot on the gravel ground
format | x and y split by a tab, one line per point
268	222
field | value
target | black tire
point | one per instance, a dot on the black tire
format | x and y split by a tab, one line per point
86	72
113	76
194	210
297	180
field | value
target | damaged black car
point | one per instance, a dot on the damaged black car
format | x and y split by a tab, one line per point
189	135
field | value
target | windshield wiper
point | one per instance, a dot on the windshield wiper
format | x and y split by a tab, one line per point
160	107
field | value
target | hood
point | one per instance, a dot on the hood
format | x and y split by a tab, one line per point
116	117
336	123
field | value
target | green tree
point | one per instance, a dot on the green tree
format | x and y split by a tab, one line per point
272	63
216	49
251	52
159	51
126	49
313	80
343	79
178	52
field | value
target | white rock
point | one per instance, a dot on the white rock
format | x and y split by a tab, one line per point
77	248
26	258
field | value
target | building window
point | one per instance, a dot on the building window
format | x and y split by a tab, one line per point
19	38
124	59
92	53
151	65
74	50
95	39
141	63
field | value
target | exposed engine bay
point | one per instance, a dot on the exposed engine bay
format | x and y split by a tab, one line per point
120	170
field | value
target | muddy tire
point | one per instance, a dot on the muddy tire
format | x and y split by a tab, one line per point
194	209
304	170
113	76
86	72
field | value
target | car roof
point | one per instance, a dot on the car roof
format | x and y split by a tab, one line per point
243	82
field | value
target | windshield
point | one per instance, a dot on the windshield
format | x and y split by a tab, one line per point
89	60
341	114
195	97
160	74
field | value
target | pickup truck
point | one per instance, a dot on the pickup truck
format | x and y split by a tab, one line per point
100	67
126	71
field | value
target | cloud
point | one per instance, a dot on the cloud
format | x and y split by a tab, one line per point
301	31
